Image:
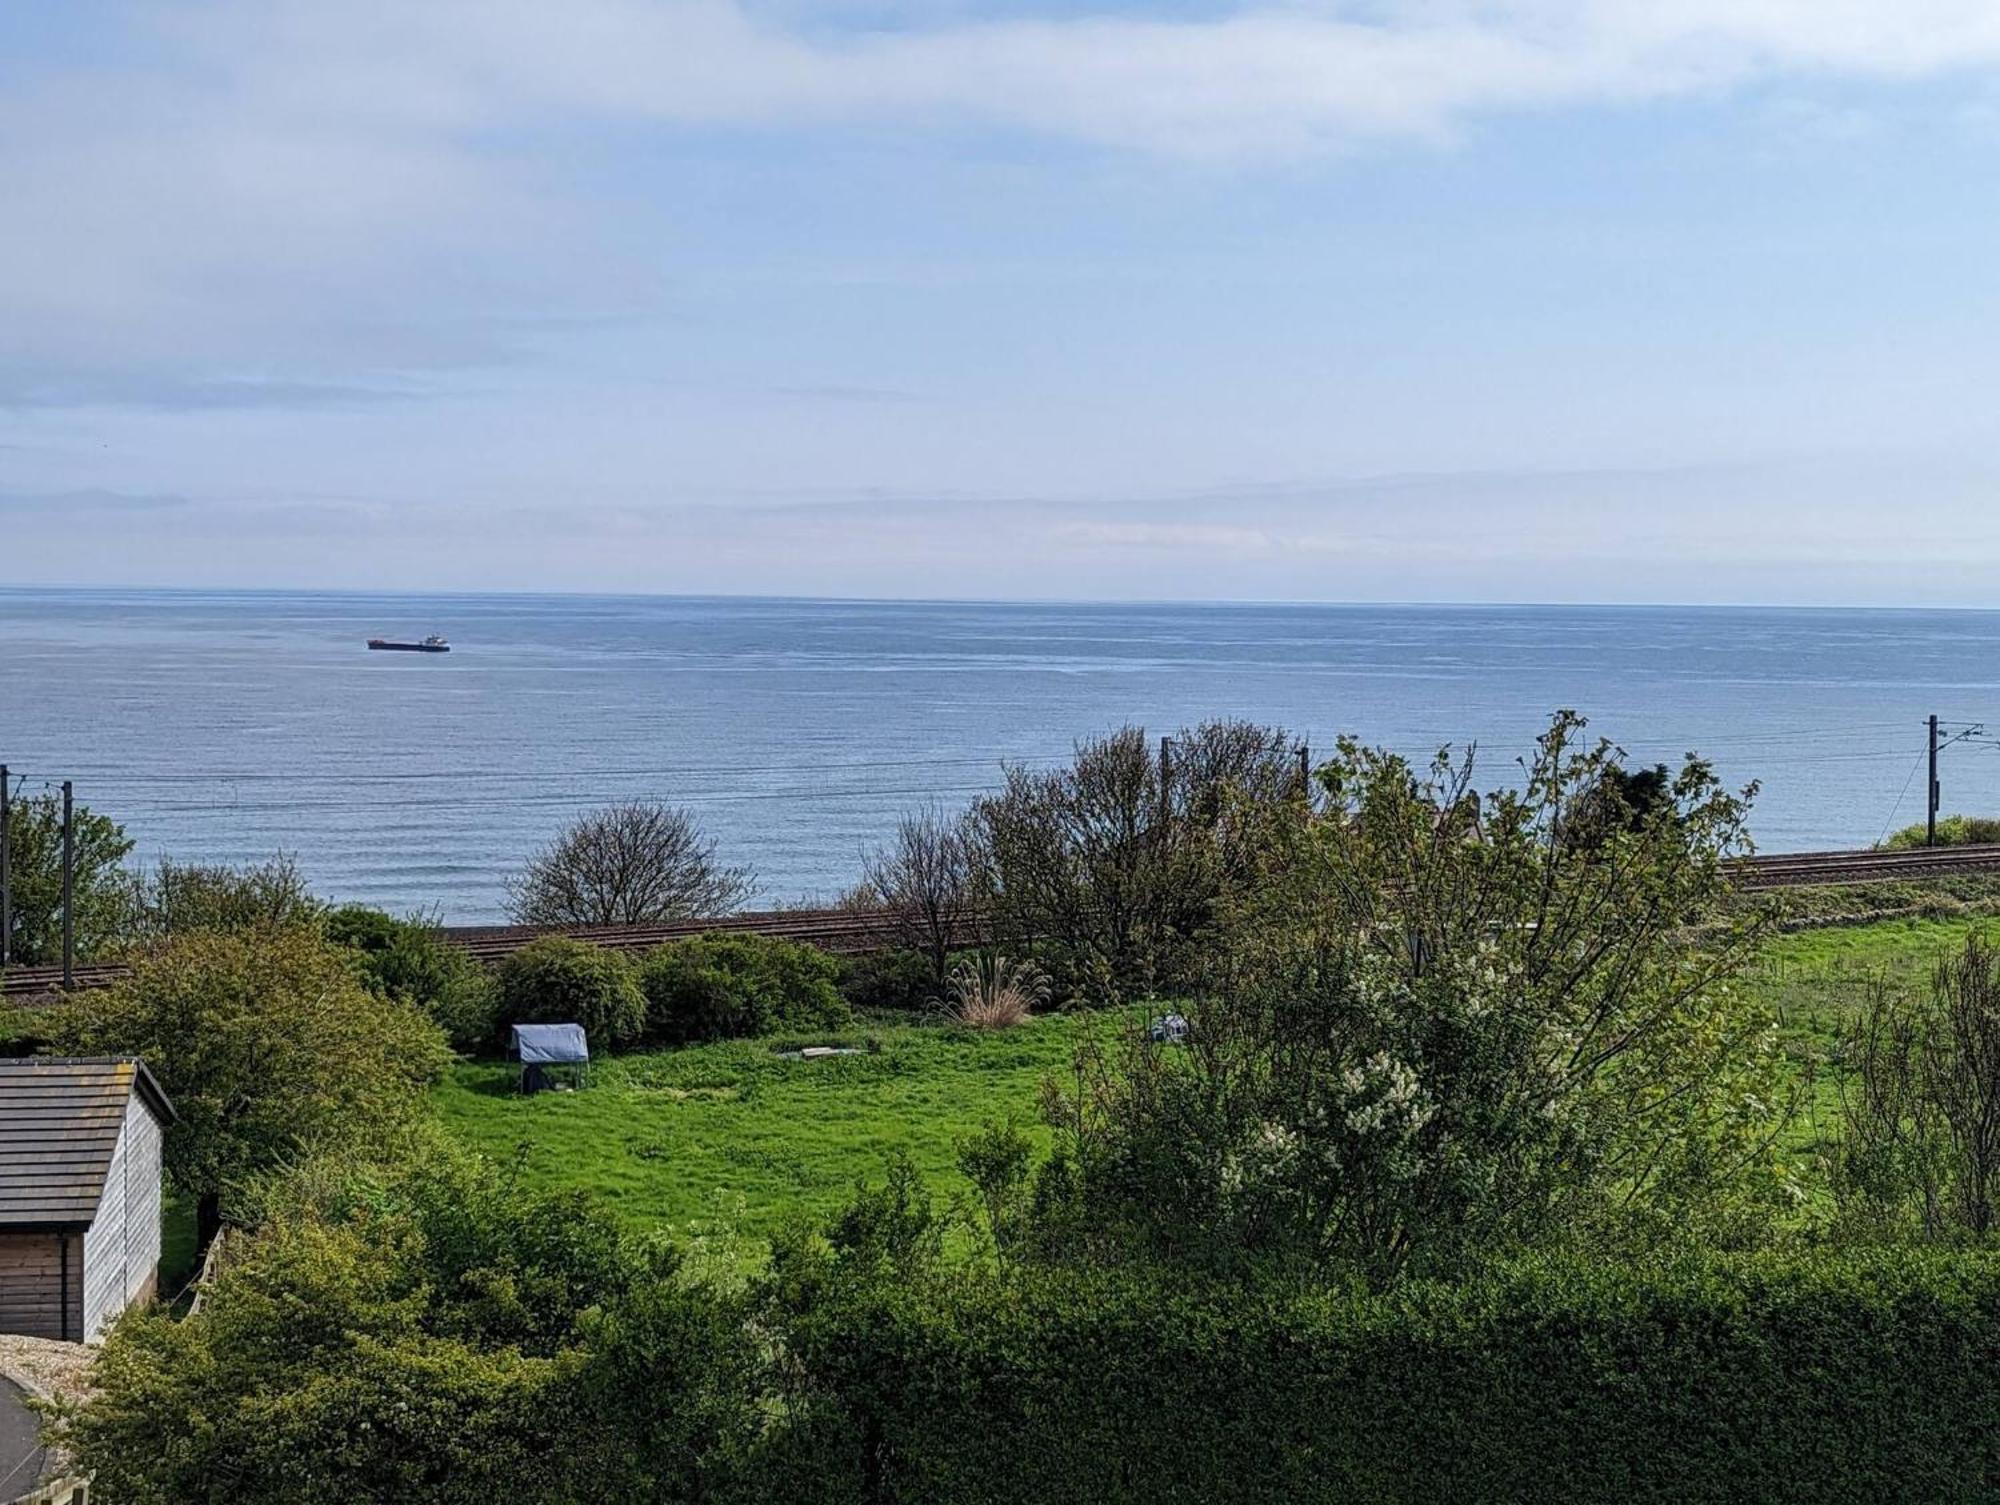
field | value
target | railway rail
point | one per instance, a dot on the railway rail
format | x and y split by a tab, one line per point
850	931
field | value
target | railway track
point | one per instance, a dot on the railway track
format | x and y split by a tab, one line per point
1802	869
842	931
849	931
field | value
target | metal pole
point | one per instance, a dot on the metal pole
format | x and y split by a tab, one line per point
1931	804
6	868
69	890
1305	769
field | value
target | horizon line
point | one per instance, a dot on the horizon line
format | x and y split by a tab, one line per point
1190	602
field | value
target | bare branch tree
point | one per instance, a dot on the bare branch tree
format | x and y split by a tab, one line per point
928	880
1920	1102
627	864
1114	866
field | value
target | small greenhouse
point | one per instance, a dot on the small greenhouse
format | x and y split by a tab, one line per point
551	1056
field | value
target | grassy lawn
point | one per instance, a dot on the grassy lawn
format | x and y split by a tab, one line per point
736	1136
1817	978
177	1243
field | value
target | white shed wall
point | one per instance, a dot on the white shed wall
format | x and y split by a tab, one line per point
121	1248
104	1240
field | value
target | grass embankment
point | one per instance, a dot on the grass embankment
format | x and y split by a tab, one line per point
733	1136
1956	896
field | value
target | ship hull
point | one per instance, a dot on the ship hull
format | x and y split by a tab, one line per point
378	646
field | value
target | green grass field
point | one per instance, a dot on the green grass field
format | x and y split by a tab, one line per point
733	1136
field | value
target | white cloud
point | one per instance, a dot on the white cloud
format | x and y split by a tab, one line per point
291	202
1259	78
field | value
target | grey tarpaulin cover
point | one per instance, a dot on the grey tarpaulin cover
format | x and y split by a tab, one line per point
550	1044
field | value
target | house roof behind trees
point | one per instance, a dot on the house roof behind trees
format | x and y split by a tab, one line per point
59	1123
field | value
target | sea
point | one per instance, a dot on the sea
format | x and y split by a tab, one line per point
232	726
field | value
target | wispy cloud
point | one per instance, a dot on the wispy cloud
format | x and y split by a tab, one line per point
289	202
1253	78
80	503
1686	534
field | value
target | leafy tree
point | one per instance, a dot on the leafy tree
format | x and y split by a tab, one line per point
433	1334
101	887
557	980
267	1043
1622	799
410	959
175	898
628	864
1442	1029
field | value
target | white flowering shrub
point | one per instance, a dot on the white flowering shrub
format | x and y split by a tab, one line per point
1448	1024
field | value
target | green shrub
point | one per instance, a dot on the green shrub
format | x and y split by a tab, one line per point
177	898
1374	1088
410	959
891	978
718	987
438	1335
267	1044
1952	831
557	980
1850	1377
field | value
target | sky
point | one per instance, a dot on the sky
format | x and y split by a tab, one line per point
1466	300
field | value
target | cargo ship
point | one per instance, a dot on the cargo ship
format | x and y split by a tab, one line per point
428	645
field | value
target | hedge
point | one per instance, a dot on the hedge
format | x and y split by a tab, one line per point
1821	1378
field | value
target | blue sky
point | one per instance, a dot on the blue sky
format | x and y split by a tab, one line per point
1407	299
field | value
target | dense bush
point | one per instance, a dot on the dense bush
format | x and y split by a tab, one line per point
1952	831
718	987
440	1334
178	898
1776	1378
409	959
433	1335
557	980
891	978
1443	1029
268	1045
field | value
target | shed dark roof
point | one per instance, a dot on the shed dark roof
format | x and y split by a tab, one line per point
59	1122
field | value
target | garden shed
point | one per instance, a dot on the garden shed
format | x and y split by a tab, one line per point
80	1182
542	1046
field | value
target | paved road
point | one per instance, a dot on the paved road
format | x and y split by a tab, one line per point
20	1444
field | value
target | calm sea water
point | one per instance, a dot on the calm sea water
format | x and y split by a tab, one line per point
225	727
